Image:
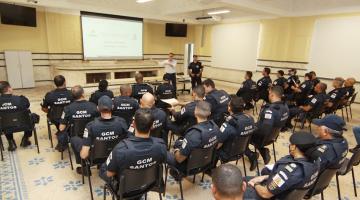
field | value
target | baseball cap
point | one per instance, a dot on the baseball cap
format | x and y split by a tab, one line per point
105	103
333	122
303	140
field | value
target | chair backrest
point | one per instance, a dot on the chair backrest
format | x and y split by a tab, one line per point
238	146
100	150
200	159
78	126
55	112
16	121
127	116
354	160
135	183
352	100
322	181
297	194
270	138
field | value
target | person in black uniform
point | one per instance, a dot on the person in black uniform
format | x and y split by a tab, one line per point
105	128
103	90
79	109
292	80
264	84
348	88
10	103
124	105
303	90
140	88
238	124
61	96
136	152
314	105
299	170
195	70
332	146
247	90
314	78
165	90
186	117
334	96
273	115
202	135
218	99
281	80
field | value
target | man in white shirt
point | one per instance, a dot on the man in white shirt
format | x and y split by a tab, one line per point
170	69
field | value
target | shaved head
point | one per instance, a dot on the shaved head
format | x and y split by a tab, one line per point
147	100
125	90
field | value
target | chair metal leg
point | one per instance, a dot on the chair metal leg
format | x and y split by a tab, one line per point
71	163
181	190
347	114
338	187
350	112
83	171
202	178
90	185
166	175
160	196
104	192
145	196
310	127
1	148
36	140
354	182
194	178
342	114
49	134
2	144
274	151
257	165
62	155
322	196
294	126
243	159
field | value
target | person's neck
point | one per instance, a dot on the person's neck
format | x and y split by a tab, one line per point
229	198
198	98
275	100
106	115
298	156
61	87
200	120
81	99
142	135
7	93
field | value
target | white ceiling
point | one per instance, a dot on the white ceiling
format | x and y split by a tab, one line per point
188	10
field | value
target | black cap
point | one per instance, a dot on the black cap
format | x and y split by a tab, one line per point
105	103
303	140
333	122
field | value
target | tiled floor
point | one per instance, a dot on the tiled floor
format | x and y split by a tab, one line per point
25	174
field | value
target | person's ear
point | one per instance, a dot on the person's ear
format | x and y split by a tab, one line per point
244	186
213	189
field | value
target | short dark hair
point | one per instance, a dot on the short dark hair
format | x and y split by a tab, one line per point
267	70
281	72
228	181
203	109
199	91
277	90
139	76
4	86
293	70
313	73
59	80
143	120
237	104
322	86
77	92
208	82
103	84
308	75
249	74
195	56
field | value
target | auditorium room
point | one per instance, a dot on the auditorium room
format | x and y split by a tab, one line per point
179	99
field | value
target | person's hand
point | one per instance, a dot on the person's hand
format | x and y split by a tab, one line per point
257	179
198	75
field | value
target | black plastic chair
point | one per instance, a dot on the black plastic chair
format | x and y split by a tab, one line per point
322	182
199	161
297	194
76	128
268	140
18	122
99	152
349	103
348	166
236	150
127	116
135	183
315	114
53	116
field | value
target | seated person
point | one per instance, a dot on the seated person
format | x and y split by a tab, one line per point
299	170
164	91
10	103
218	99
124	105
102	91
186	117
356	131
264	84
303	90
314	105
106	128
281	80
61	96
273	115
238	124
228	183
348	88
202	135
140	88
335	96
291	81
136	152
315	81
79	109
332	146
247	90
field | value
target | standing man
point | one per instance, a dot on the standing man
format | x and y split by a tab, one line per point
195	70
170	69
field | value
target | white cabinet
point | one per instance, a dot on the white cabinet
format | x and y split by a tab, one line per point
19	68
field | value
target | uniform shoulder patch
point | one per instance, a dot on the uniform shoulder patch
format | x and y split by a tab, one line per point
313	100
183	110
278	181
184	143
223	127
86	133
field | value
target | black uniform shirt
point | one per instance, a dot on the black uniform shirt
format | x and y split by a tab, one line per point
12	103
98	93
336	94
280	82
79	110
187	114
125	107
136	153
138	90
195	67
317	101
57	97
165	91
246	86
264	83
332	152
219	101
306	87
105	130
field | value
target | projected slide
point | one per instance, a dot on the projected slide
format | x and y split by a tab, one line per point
111	38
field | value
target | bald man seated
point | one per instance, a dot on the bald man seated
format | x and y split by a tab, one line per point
125	106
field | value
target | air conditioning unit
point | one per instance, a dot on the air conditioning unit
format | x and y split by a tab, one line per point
209	19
